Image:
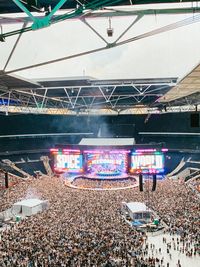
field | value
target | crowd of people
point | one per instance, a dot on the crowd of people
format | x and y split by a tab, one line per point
85	228
104	183
13	180
170	246
195	184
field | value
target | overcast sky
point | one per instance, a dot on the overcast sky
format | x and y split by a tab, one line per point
170	54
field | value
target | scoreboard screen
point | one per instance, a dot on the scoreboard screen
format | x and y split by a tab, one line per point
147	163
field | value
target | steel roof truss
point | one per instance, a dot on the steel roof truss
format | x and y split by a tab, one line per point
70	98
94	30
135	20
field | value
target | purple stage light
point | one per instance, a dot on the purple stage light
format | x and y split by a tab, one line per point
71	150
146	150
106	151
164	149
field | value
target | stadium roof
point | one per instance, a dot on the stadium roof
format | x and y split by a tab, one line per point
38	5
188	89
80	94
143	67
14	81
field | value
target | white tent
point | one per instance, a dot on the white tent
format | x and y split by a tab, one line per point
29	207
138	210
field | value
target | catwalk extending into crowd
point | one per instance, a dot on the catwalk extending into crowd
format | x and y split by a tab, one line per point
104	183
85	228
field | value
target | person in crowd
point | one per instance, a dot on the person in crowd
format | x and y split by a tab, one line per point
83	228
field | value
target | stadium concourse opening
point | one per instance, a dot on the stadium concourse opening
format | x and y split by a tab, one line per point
106	163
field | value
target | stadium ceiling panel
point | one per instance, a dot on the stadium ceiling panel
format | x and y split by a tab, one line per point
187	91
80	9
14	81
192	100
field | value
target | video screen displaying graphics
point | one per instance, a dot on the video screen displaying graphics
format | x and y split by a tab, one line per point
107	163
147	163
68	161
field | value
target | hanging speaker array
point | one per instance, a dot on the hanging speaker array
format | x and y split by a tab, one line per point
6	180
154	182
141	182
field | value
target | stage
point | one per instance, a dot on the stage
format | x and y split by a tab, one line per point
106	167
110	183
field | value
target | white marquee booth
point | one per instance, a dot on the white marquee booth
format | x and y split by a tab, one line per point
28	207
137	211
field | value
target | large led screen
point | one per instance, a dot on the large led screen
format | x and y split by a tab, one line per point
147	163
107	163
68	162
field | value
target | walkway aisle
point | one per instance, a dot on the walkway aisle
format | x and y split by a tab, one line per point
171	255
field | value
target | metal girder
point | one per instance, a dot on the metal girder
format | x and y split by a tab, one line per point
65	111
106	100
42	22
120	10
135	20
14	47
166	28
48	19
190	100
106	96
80	98
87	11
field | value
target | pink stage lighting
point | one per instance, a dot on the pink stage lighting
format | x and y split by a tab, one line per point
164	149
146	150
